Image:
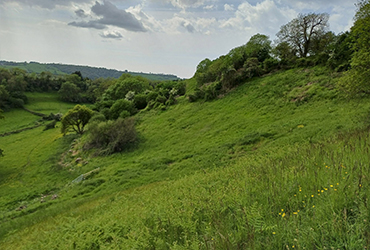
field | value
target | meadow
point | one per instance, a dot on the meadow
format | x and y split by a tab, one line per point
280	162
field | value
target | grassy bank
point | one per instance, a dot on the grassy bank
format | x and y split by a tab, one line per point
275	163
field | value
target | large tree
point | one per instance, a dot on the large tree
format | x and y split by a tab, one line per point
301	31
76	119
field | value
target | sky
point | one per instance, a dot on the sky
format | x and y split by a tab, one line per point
157	36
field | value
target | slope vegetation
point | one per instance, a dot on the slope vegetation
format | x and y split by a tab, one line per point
278	162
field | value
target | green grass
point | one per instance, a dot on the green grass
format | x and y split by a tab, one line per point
47	103
211	175
17	119
310	196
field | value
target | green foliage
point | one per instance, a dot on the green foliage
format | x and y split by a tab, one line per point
4	96
76	119
119	106
140	101
259	46
1	117
355	81
111	136
98	117
69	92
125	84
341	53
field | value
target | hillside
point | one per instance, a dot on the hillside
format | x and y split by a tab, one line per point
259	168
86	71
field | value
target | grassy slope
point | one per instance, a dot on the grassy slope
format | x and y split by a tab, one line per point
262	139
47	103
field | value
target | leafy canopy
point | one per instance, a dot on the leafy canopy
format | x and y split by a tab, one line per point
356	80
76	119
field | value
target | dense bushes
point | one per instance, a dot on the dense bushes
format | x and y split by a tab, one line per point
111	136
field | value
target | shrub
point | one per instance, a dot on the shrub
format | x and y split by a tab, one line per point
161	99
181	88
119	106
16	102
111	136
124	114
105	112
151	96
140	101
98	117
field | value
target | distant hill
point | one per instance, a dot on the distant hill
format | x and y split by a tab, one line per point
86	71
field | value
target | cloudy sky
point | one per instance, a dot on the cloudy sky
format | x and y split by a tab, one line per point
159	36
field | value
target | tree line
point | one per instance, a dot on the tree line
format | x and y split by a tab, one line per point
87	71
303	42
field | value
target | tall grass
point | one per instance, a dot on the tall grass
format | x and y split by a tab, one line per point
315	197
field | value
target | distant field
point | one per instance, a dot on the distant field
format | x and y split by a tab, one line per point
46	103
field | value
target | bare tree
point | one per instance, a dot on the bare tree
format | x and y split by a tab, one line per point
300	32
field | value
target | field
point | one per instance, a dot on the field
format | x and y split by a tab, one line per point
281	162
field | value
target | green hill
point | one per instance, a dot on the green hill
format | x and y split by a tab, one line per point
260	168
86	71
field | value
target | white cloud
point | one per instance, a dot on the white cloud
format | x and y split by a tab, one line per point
264	17
228	7
112	35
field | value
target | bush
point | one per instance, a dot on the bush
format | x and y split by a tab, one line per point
16	102
111	136
198	94
20	95
124	114
270	64
140	101
181	88
105	112
151	96
161	99
119	106
98	117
